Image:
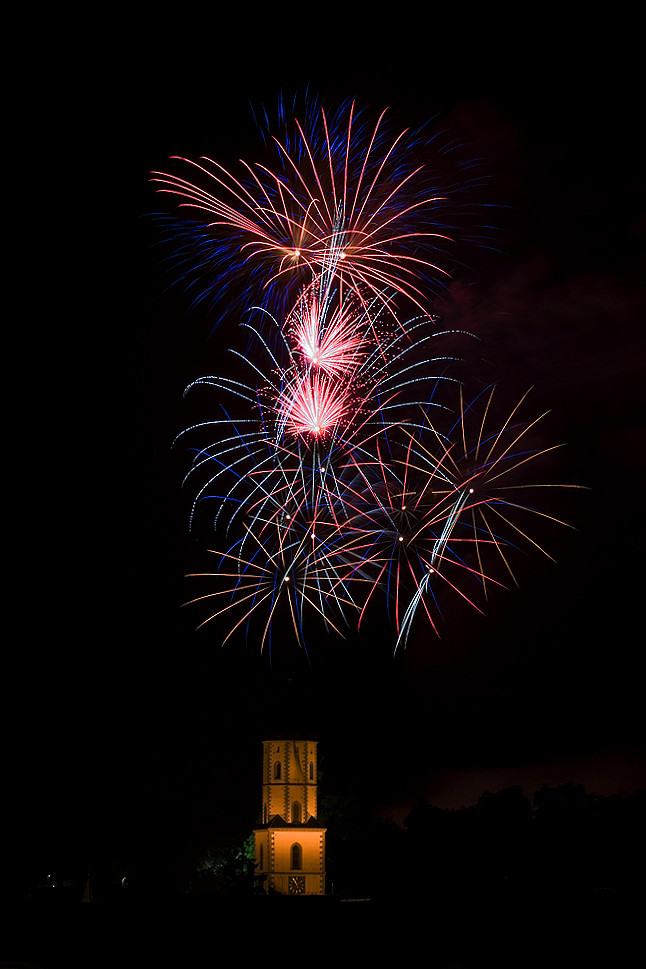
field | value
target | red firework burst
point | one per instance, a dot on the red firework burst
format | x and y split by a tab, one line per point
313	405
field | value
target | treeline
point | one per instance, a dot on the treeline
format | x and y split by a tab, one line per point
562	839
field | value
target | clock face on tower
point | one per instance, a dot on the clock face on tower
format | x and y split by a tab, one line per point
296	885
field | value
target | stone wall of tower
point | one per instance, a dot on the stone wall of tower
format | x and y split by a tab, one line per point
312	843
290	852
273	856
290	771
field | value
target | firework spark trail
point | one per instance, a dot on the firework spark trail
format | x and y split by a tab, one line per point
313	405
335	346
345	199
402	525
295	400
311	470
349	476
303	425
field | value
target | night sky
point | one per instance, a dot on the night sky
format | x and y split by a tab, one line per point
120	705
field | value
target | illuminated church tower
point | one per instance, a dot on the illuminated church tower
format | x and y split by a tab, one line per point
290	843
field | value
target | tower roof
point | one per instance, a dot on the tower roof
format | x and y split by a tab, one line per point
279	822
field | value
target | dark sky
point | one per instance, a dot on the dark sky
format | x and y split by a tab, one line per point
120	702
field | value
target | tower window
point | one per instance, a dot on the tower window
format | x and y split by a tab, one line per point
261	858
297	856
311	770
296	813
277	771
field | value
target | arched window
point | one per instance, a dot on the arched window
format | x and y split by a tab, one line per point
311	770
296	813
297	856
277	771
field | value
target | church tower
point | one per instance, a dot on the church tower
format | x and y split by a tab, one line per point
290	843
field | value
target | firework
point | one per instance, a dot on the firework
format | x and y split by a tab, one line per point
286	477
307	421
344	196
339	471
446	509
